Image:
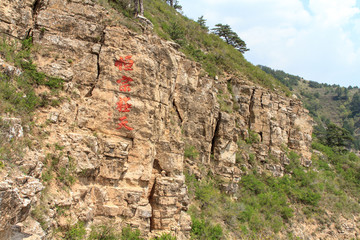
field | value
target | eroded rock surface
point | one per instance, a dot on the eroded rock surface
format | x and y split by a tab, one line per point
136	176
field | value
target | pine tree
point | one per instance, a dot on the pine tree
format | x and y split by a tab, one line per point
224	31
355	104
202	23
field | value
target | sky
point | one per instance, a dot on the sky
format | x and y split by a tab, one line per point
318	40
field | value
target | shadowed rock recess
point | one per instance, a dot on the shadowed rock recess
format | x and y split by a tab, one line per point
135	177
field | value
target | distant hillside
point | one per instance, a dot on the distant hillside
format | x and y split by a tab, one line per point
285	78
326	103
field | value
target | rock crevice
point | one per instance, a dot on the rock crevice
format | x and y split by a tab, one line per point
131	170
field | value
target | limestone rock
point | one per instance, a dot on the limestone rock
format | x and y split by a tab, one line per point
137	176
16	197
11	128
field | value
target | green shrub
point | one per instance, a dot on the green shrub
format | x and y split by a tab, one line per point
252	138
103	232
17	92
307	196
176	32
39	213
46	175
75	232
66	176
128	234
202	230
238	158
224	105
165	236
252	159
206	192
190	152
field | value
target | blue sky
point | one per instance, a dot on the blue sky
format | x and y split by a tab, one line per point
318	40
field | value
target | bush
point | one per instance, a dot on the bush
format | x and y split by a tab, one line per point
128	234
39	213
252	138
103	232
206	192
165	236
76	232
223	101
190	152
307	196
202	230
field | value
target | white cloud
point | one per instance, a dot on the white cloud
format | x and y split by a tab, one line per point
318	41
333	12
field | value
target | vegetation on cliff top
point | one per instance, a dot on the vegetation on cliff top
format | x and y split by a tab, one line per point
216	55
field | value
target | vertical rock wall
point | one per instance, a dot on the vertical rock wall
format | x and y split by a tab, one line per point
136	176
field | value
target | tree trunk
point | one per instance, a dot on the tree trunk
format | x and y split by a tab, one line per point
172	3
141	7
136	7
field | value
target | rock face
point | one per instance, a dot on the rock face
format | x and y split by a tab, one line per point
16	198
276	122
132	170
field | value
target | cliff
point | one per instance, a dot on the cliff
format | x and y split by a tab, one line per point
131	171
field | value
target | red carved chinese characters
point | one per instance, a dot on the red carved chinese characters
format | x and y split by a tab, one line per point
123	123
122	105
124	63
125	86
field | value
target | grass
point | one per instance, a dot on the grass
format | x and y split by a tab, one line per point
17	91
252	138
59	167
18	98
103	232
191	152
75	232
39	213
225	103
265	205
215	55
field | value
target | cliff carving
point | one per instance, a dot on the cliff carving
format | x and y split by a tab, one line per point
136	176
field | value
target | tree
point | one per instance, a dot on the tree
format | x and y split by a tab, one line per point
224	31
139	8
355	104
177	33
337	137
174	3
171	2
314	84
341	93
202	22
177	6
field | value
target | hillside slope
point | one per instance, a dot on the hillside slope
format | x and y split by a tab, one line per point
326	104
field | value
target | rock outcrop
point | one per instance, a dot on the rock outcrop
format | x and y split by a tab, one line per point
16	199
132	170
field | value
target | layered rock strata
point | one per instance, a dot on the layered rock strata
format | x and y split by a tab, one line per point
136	176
